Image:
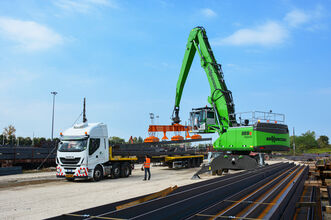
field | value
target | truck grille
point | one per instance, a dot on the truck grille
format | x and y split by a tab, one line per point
69	161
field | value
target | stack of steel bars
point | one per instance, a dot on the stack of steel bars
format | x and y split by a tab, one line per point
269	192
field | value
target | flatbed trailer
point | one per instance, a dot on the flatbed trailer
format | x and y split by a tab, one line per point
164	152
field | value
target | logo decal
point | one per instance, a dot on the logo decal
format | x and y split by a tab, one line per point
274	139
246	133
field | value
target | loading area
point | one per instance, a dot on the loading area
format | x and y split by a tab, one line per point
271	192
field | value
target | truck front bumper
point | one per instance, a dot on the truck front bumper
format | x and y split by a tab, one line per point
78	172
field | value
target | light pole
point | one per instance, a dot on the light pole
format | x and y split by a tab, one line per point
293	142
53	93
157	119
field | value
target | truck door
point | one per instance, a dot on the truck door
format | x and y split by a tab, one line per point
94	152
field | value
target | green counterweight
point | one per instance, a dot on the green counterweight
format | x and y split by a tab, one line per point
270	137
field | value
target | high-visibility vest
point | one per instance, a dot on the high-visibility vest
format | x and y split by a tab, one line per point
147	163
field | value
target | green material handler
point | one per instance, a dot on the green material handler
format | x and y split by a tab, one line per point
243	137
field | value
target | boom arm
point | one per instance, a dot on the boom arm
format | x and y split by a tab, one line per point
221	97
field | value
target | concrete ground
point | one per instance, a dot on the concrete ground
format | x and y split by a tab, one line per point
42	195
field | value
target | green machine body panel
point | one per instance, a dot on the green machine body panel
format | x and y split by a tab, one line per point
260	137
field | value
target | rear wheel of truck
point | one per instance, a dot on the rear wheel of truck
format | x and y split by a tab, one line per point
125	170
219	172
195	162
97	174
116	171
198	162
189	163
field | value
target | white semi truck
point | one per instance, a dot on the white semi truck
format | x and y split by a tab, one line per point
84	153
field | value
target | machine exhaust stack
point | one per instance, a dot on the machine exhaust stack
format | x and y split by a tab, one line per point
84	111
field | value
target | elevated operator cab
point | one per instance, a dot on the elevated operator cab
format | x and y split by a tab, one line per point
203	119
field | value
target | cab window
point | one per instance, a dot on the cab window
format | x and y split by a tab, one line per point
210	115
93	145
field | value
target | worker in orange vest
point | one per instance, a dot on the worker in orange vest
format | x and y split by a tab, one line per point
147	166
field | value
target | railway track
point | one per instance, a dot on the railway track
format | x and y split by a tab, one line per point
265	193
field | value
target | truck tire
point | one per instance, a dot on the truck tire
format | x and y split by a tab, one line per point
131	168
195	162
116	171
219	172
125	170
190	163
97	174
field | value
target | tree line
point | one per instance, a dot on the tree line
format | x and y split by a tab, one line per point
308	141
303	142
8	137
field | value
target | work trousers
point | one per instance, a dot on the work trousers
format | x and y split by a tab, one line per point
147	170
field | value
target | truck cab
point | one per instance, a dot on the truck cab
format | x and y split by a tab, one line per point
83	151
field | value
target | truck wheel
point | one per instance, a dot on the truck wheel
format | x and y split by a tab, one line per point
97	174
125	170
195	162
116	171
219	172
170	165
190	163
132	168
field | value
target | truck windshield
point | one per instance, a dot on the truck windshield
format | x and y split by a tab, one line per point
72	145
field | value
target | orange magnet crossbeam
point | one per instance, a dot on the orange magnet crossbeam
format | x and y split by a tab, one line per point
165	128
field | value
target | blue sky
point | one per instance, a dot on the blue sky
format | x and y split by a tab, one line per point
125	57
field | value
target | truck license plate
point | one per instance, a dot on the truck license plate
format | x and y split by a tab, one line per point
69	175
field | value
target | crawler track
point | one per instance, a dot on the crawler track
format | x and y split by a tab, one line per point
264	193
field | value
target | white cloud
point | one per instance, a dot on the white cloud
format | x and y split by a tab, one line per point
29	35
231	65
100	2
276	32
16	78
207	12
84	6
324	91
296	17
268	34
